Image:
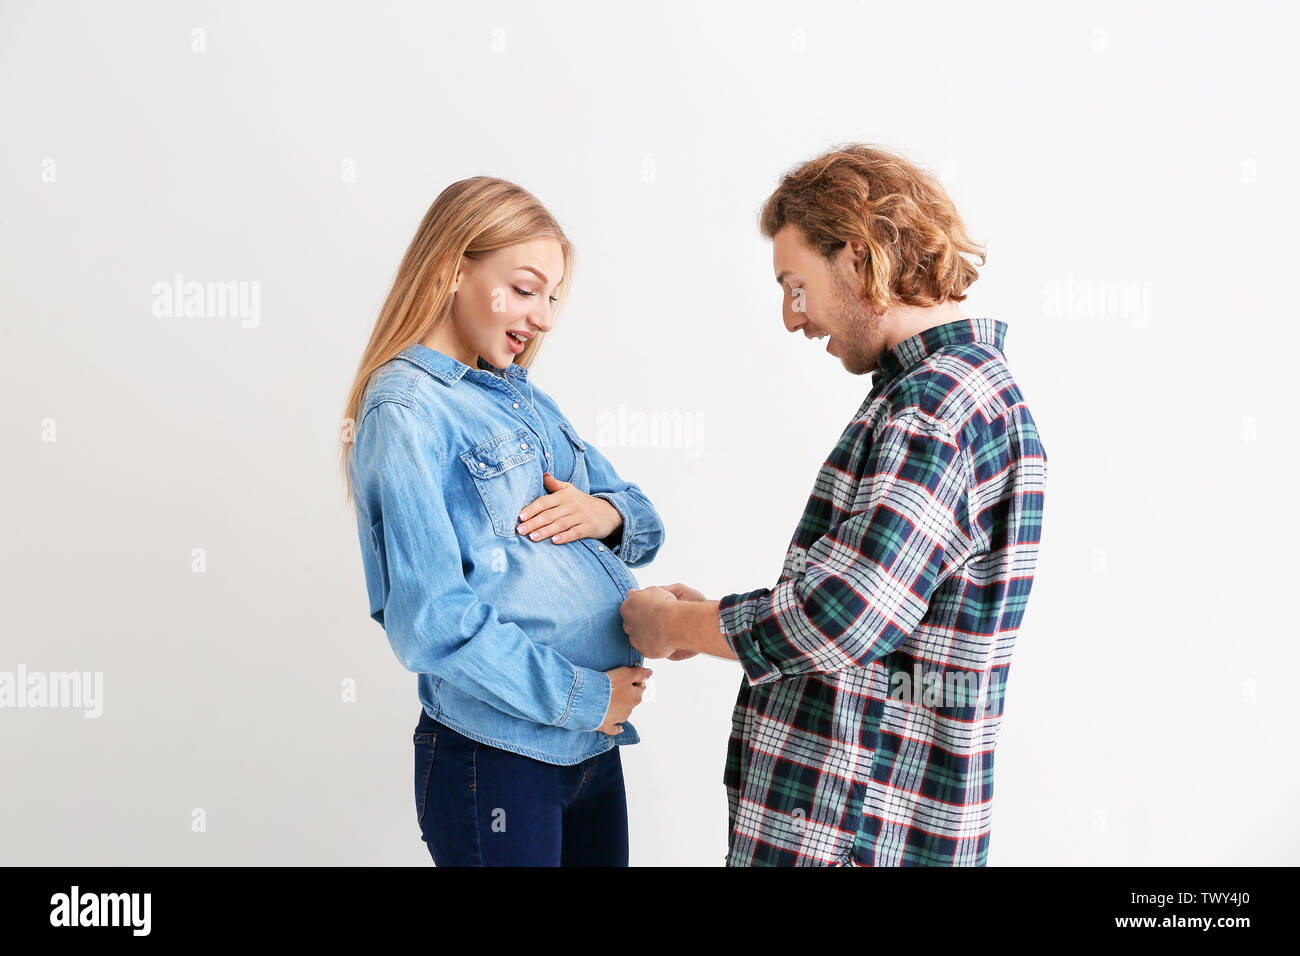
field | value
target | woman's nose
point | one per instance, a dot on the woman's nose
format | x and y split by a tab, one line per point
543	318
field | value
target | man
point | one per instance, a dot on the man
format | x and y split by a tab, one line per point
875	668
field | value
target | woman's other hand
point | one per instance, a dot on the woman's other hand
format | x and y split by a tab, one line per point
567	514
628	687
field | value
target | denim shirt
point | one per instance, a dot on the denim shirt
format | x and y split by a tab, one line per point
509	637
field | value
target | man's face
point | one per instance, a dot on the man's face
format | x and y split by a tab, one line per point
824	298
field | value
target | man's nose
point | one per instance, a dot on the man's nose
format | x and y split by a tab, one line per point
794	321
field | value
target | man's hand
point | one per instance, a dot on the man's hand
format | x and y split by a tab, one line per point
676	622
644	620
683	593
567	514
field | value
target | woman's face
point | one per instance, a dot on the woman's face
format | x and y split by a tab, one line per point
511	290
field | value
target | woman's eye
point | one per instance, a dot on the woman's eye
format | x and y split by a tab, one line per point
526	292
554	298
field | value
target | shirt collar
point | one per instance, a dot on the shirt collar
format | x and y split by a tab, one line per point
894	362
449	370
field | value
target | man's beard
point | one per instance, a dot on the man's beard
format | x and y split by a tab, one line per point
861	341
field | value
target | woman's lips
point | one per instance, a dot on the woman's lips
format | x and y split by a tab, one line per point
515	347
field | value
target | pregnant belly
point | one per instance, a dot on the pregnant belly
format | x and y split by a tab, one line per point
564	595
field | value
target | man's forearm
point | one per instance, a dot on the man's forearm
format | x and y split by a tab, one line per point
695	627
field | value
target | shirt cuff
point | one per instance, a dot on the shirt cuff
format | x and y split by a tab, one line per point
627	549
588	700
736	613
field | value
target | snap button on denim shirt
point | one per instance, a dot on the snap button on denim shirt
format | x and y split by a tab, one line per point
509	637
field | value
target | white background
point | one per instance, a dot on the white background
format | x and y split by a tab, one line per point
1149	147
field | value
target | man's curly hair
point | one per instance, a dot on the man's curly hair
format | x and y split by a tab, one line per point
914	237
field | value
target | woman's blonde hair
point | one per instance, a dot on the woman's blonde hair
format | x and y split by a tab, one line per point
468	219
914	237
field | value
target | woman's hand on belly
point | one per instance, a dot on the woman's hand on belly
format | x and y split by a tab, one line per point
567	514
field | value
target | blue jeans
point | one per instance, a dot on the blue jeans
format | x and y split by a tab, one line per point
478	805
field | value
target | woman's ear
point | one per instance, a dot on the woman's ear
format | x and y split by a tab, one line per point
460	274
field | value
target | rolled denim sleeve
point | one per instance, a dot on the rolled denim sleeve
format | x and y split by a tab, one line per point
434	621
642	531
866	583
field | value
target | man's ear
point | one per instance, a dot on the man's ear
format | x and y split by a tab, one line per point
851	253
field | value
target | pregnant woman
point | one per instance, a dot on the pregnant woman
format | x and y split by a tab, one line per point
496	544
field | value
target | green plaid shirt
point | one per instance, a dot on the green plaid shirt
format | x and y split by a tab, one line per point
876	667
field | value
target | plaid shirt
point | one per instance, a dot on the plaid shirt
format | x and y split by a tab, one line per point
875	669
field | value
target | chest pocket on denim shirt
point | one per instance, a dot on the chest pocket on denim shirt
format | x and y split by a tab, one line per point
505	473
579	476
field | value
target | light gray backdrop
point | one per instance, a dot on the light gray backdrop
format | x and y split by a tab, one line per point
173	518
